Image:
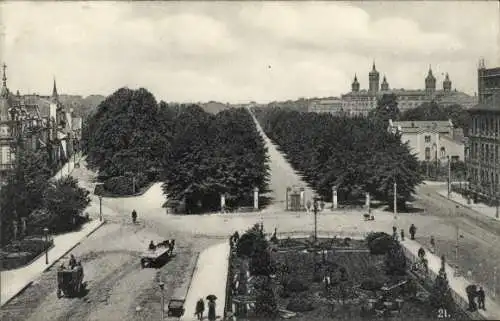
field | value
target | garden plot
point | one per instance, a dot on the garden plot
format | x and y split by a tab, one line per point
338	280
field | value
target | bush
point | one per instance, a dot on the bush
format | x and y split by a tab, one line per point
120	185
395	260
381	245
371	285
300	304
374	235
296	285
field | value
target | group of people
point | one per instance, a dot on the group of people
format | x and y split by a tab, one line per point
472	294
200	309
167	243
412	230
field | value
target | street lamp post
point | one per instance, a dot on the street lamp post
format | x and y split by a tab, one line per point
449	176
395	200
315	208
495	282
100	208
46	233
162	286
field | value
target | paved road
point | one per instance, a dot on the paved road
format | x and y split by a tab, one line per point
116	283
282	175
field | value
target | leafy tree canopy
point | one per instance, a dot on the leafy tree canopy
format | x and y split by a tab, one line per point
433	111
355	154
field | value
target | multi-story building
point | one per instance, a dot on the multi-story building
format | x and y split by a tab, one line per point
483	161
34	122
360	102
431	140
488	81
328	105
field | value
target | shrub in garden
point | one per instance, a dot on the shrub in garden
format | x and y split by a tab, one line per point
296	285
372	285
441	293
381	245
374	235
265	301
395	260
300	304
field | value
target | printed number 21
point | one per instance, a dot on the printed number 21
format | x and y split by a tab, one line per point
443	313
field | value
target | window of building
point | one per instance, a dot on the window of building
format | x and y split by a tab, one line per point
443	152
455	158
427	139
427	153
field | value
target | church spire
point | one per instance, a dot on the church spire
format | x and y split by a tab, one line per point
5	90
55	96
373	67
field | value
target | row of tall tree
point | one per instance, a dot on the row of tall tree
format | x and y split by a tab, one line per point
211	155
199	155
357	155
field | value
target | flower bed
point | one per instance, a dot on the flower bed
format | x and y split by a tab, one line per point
353	289
20	253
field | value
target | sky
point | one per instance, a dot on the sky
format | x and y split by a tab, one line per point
243	51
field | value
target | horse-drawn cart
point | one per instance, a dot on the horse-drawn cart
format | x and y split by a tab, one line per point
69	282
160	254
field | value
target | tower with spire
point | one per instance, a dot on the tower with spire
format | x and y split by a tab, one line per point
355	84
4	97
373	78
447	83
430	82
385	85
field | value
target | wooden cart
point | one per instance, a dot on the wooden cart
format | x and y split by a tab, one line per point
69	282
175	308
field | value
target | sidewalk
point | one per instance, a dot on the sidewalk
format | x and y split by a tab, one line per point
489	211
210	277
457	284
14	281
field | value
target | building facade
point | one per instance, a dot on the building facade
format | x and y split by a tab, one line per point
330	105
483	162
488	81
431	141
34	122
361	102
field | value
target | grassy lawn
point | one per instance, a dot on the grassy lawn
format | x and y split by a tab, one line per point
348	267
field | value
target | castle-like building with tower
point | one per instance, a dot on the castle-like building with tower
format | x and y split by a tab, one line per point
360	101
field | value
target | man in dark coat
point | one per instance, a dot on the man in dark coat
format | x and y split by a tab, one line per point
152	246
402	235
72	261
413	230
200	308
471	291
134	216
480	298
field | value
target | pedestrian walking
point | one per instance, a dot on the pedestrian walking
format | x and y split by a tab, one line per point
200	308
480	298
395	233
413	230
433	245
211	310
471	291
402	234
134	216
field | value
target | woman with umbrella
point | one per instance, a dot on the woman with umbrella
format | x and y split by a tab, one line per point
211	307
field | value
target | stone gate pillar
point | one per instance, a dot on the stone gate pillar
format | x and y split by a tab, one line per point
15	229
23	226
256	198
334	198
302	198
223	203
